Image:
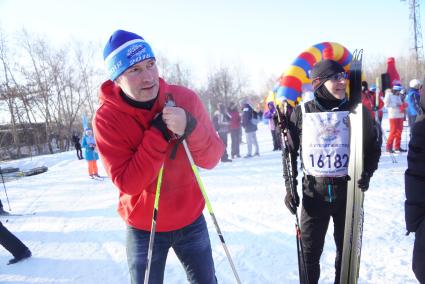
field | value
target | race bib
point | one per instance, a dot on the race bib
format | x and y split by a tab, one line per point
326	143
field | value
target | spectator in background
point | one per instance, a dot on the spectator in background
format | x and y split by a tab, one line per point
412	100
77	145
270	114
235	129
395	107
369	101
223	120
91	152
249	123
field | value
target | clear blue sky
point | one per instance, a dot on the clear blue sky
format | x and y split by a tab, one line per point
262	37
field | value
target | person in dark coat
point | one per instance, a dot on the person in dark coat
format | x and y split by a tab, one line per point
13	245
249	123
324	185
415	192
77	144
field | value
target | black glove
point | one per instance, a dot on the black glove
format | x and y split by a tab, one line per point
159	124
190	124
363	182
292	202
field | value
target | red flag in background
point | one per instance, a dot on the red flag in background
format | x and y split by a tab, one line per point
392	71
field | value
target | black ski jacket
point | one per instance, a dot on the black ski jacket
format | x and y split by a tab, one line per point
415	176
323	188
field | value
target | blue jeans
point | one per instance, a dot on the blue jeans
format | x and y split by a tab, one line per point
191	245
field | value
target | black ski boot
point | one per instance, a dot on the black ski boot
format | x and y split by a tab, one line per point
3	212
24	255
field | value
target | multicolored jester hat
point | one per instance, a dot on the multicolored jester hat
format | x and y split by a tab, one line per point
295	79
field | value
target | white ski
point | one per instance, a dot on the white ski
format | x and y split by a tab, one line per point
354	213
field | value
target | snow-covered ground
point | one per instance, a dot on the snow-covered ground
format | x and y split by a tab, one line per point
76	235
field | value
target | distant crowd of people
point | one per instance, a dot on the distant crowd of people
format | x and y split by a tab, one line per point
231	120
400	103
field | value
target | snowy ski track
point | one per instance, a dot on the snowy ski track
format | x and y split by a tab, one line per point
76	235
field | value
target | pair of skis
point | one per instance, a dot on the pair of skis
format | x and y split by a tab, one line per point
8	214
354	211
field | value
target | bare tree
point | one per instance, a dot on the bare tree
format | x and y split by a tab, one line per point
222	87
8	91
174	73
38	76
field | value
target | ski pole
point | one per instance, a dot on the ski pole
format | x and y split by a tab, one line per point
153	226
5	191
170	102
302	269
210	210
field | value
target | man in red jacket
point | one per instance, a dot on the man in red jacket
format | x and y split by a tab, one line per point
136	133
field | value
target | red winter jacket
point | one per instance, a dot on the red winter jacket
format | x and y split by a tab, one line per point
368	100
133	152
235	120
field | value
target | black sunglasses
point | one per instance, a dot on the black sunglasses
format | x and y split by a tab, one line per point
338	77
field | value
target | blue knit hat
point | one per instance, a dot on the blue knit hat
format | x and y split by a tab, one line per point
397	87
123	50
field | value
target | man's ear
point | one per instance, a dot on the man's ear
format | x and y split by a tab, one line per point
316	82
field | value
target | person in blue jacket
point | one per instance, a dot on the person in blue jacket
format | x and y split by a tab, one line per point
89	144
412	99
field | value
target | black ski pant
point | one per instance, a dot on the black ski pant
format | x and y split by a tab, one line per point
79	151
315	216
10	242
418	263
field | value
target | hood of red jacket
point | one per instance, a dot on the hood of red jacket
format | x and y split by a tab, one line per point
110	94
